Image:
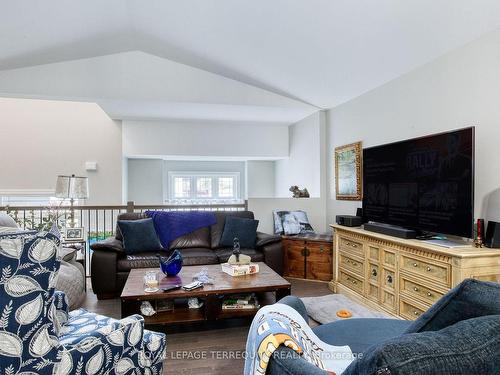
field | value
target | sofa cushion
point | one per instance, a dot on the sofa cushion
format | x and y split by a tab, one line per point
198	256
198	238
470	299
217	229
360	333
139	235
224	254
145	259
127	216
243	229
470	346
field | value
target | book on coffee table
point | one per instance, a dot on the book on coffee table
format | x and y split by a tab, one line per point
240	269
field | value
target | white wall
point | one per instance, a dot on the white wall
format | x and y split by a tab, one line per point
145	181
263	210
41	139
303	166
260	179
457	90
204	139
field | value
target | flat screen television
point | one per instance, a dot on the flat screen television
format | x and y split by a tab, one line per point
426	183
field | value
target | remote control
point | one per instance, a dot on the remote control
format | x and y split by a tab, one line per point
192	286
171	287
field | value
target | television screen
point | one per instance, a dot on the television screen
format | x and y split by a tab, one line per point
424	183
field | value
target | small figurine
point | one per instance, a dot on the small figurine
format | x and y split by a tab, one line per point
297	193
238	257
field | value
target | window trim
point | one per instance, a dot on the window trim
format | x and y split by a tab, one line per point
215	184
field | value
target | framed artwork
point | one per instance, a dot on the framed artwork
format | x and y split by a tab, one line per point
348	172
73	234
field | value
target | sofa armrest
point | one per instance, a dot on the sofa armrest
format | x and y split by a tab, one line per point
103	271
273	256
266	239
110	244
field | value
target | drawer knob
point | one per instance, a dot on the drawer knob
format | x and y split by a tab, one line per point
389	279
429	294
416	313
348	261
374	272
415	289
354	264
429	269
415	264
354	245
354	281
321	249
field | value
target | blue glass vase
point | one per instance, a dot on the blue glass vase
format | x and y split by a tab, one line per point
172	265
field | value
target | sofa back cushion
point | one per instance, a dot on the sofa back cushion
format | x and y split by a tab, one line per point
217	229
198	238
470	299
470	346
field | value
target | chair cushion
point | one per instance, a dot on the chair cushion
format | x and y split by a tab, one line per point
198	238
243	229
360	333
217	229
224	254
139	235
470	299
468	347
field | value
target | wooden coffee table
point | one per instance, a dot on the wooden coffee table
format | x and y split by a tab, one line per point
262	284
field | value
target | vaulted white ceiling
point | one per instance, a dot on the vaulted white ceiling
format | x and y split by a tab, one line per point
318	52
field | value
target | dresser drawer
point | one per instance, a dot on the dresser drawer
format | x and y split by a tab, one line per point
415	290
389	258
409	311
421	268
373	273
373	292
352	247
351	282
351	264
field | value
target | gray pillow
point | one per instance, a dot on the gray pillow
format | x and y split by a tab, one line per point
7	221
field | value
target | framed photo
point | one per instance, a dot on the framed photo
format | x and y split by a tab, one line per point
73	233
348	172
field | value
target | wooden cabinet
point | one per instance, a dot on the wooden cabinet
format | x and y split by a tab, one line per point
403	277
308	257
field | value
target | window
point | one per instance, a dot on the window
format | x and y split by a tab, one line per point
203	186
42	198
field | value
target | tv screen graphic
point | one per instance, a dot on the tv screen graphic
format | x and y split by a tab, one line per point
424	183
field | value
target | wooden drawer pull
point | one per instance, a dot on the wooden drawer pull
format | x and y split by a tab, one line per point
429	269
389	279
415	264
429	294
415	289
374	272
416	313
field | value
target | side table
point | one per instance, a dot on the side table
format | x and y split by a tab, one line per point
309	256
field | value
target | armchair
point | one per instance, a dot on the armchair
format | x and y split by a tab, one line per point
39	335
459	334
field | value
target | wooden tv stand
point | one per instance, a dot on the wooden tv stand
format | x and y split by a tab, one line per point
403	277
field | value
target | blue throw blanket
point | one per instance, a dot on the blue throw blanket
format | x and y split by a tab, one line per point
170	225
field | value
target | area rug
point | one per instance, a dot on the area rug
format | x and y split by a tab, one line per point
324	309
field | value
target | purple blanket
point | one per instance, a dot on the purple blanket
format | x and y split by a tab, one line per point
170	225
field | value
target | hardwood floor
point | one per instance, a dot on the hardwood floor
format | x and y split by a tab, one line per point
215	351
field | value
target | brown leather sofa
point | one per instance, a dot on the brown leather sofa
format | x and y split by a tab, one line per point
111	265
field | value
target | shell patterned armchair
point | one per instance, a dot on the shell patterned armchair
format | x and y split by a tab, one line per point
39	336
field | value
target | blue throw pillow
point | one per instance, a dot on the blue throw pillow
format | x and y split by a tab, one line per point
139	235
244	229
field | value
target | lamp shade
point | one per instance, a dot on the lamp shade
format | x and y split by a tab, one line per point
72	187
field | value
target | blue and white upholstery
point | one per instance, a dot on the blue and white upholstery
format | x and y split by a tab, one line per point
38	335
